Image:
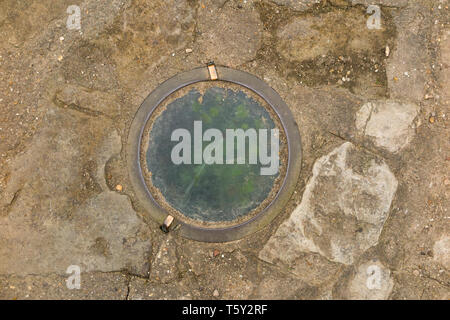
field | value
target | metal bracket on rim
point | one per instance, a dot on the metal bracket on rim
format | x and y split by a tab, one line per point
166	224
212	71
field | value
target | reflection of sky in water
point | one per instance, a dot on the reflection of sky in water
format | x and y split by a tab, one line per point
209	192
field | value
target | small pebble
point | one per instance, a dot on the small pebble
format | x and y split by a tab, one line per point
188	50
119	187
216	293
215	253
432	119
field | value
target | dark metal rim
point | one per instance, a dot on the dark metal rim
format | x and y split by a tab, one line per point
265	92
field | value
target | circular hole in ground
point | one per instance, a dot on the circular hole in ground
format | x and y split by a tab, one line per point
214	154
178	161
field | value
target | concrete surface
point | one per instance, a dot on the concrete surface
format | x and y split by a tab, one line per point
368	219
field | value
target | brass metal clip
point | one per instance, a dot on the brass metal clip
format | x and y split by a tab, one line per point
166	224
212	71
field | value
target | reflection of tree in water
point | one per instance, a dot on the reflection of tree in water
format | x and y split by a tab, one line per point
209	192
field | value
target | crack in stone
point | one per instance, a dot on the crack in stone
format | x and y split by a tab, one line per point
9	206
61	104
368	118
370	150
128	288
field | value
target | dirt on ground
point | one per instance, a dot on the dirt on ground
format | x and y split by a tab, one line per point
368	219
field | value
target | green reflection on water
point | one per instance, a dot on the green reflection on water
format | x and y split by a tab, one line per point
215	192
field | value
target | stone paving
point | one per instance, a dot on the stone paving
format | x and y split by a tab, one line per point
368	219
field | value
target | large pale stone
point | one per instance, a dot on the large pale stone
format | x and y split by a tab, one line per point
57	210
329	33
343	209
388	123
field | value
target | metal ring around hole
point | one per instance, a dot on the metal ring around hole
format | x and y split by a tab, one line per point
250	82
